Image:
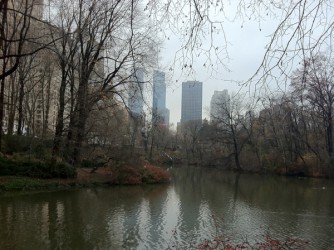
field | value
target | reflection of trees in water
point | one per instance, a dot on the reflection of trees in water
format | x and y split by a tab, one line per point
157	213
81	219
267	192
201	200
39	218
109	218
280	204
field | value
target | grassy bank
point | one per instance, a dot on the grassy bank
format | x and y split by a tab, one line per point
29	174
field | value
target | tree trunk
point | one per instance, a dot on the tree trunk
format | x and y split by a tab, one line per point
70	136
11	106
2	89
152	144
82	115
20	107
60	118
80	135
236	149
72	122
3	7
330	134
46	112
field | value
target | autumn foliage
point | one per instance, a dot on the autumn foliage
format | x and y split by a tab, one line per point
147	173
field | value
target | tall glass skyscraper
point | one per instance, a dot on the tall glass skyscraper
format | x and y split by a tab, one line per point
160	114
135	94
191	109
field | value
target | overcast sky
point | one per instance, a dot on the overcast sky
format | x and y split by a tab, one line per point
246	50
307	29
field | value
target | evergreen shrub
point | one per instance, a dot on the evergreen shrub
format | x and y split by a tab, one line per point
35	168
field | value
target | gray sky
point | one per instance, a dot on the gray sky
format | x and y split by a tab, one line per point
246	50
307	29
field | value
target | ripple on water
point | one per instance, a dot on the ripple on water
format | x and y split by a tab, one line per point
183	213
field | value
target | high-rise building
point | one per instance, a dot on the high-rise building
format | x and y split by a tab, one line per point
135	94
160	114
219	106
39	72
191	109
33	8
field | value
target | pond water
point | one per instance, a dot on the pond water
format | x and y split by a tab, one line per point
197	205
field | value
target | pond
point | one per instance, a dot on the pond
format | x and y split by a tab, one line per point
198	204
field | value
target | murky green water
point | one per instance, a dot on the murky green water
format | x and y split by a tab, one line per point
198	204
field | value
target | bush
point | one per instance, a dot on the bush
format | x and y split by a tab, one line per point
123	173
95	163
16	143
40	151
37	147
63	170
127	175
36	169
154	174
22	183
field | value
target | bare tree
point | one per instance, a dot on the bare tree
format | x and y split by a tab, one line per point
232	121
102	43
20	21
14	28
303	29
190	138
300	28
21	82
64	47
158	134
313	83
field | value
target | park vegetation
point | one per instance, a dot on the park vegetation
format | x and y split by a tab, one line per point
287	134
67	66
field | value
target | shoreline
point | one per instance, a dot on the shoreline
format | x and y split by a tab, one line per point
101	177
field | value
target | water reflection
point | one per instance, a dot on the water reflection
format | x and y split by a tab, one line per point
197	205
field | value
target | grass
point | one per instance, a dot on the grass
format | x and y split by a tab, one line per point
31	167
121	175
14	183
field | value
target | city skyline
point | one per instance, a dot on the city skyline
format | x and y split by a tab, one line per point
156	105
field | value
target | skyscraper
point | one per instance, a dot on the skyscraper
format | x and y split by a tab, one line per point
135	94
219	106
160	114
191	109
33	8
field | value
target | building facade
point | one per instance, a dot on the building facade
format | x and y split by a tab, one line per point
32	92
160	114
135	94
191	107
219	106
